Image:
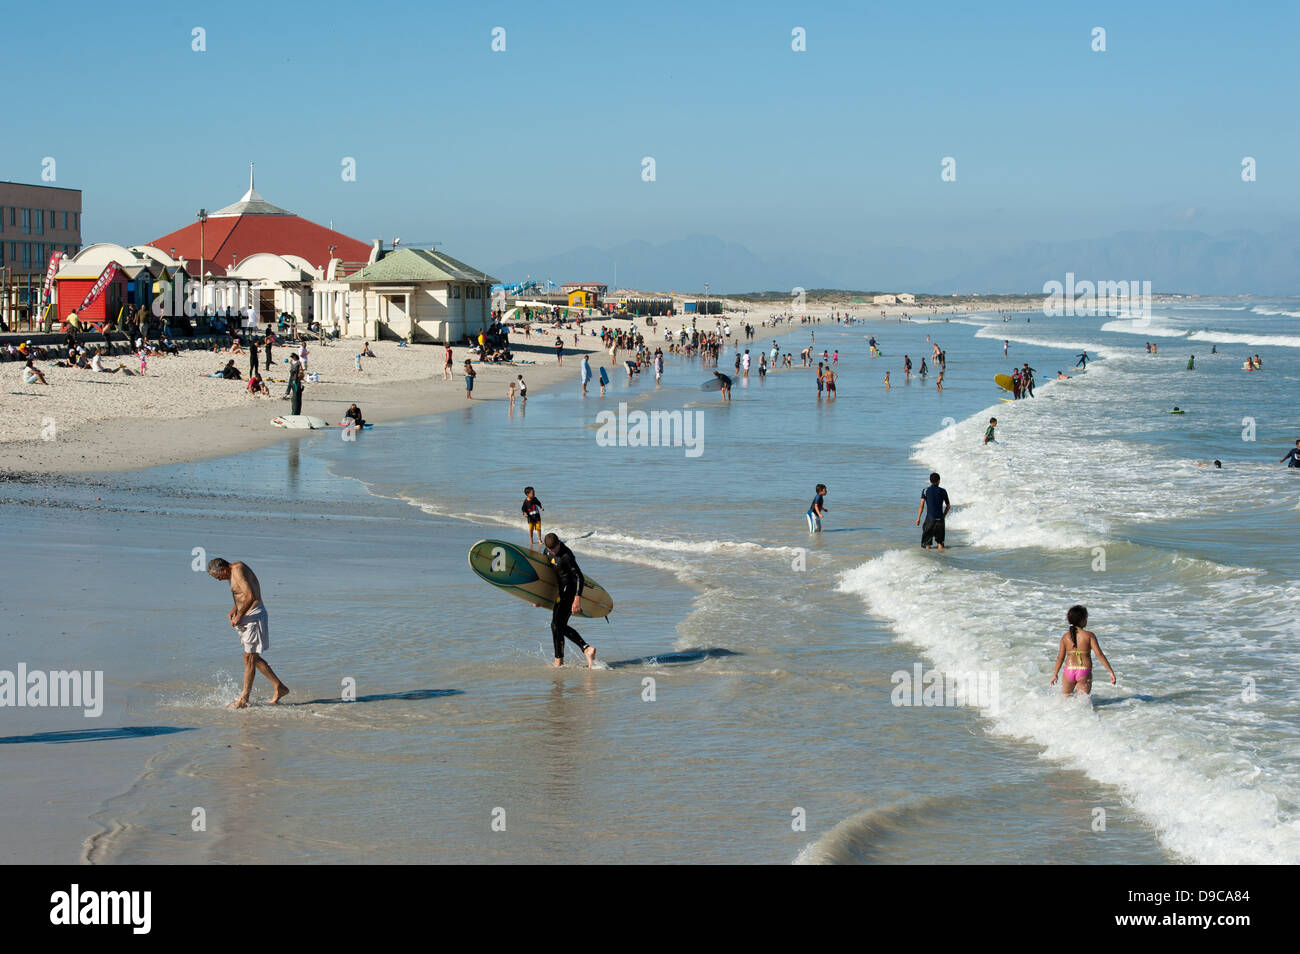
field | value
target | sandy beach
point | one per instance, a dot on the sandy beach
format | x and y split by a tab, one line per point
86	422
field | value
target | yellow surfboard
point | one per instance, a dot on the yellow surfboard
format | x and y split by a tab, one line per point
1003	381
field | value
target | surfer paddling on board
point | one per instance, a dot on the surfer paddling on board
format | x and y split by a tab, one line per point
570	581
250	619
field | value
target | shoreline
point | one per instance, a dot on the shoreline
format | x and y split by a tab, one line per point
119	443
409	385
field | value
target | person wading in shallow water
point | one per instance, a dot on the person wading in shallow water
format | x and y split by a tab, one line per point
570	581
249	617
1078	644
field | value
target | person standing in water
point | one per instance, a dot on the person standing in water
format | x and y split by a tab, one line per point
249	617
817	509
935	504
1292	458
532	509
570	582
725	387
1078	644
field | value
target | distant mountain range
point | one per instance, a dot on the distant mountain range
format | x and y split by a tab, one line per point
1173	261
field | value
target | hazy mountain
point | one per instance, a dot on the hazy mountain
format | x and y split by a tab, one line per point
1194	262
1173	261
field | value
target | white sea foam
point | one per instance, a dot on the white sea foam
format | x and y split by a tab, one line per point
1000	334
1255	341
1261	310
1179	764
1152	327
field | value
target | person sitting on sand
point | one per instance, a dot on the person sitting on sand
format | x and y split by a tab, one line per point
235	346
1079	644
229	372
365	350
97	364
257	386
32	374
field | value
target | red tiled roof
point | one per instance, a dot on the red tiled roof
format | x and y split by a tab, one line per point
245	235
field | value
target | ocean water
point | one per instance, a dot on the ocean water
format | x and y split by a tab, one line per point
745	708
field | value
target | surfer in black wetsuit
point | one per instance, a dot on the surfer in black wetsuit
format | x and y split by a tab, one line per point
569	578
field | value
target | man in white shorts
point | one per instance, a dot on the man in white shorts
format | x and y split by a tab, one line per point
250	619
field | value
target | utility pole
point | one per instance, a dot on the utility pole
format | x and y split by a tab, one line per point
203	219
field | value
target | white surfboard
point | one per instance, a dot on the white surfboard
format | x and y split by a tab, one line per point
299	422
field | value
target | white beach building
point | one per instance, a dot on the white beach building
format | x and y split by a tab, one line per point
419	295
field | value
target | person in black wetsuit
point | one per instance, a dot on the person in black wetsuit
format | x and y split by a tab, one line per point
571	581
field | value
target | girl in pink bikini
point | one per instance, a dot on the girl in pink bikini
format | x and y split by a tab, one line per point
1079	644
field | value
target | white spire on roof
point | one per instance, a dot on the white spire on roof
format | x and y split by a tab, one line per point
250	204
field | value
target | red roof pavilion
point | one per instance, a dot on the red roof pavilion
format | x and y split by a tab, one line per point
254	225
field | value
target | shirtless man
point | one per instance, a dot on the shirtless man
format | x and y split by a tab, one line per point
249	617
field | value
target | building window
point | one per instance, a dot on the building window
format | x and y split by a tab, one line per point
65	221
2	218
38	219
27	221
455	291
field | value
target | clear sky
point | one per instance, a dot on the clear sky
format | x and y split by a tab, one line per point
538	149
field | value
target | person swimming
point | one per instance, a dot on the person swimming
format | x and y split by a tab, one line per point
1078	644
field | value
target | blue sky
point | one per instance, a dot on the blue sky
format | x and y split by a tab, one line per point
538	149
